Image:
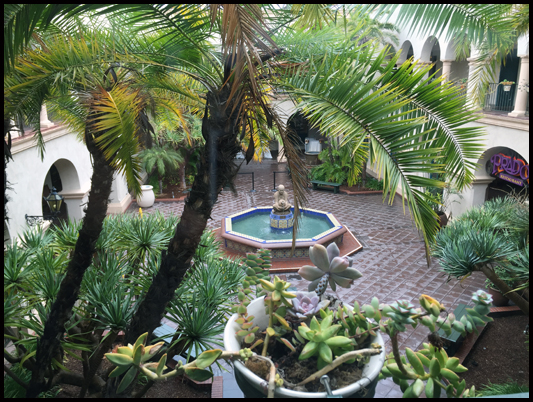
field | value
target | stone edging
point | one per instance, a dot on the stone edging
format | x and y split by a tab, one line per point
370	192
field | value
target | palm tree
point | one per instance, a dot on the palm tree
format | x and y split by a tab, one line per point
163	158
371	29
101	104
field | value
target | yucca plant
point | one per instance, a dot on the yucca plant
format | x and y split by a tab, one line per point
65	236
35	238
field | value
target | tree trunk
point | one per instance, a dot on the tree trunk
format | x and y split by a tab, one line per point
363	174
7	156
183	169
506	290
49	344
216	167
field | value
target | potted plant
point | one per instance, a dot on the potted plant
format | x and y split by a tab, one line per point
147	197
436	203
506	85
299	337
462	82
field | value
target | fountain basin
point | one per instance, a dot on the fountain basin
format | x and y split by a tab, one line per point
245	232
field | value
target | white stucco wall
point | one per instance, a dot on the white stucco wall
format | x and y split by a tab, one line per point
27	174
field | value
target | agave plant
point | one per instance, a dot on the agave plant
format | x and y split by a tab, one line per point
330	266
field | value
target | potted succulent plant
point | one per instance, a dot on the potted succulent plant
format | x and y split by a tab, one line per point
296	338
506	85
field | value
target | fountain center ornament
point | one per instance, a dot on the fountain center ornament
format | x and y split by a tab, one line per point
281	216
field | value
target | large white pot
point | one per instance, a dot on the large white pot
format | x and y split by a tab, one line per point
147	197
254	386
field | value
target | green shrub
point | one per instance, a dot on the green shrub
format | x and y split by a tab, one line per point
374	184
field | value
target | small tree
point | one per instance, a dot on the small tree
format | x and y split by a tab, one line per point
163	158
490	238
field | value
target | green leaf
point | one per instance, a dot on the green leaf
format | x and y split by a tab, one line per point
324	352
198	374
118	359
415	361
434	368
207	358
309	350
161	365
119	370
128	378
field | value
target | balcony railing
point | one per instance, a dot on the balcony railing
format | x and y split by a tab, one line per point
499	100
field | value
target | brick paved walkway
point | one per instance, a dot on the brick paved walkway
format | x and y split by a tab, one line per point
392	261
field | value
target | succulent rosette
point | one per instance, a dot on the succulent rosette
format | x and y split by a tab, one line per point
306	305
330	267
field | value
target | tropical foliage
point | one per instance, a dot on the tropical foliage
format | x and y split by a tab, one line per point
493	239
105	79
110	293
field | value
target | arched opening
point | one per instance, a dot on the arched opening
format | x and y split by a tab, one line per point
308	140
62	176
431	54
406	52
510	172
459	67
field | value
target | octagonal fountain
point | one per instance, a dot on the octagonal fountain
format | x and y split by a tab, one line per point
271	228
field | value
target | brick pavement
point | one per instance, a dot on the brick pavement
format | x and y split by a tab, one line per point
392	261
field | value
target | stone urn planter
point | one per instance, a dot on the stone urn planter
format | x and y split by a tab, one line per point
147	197
254	386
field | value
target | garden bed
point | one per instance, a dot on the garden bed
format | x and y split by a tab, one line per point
500	354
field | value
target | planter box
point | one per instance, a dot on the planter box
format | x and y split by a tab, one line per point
254	386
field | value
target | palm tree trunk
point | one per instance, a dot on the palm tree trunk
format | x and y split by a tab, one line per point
215	169
49	345
7	156
505	289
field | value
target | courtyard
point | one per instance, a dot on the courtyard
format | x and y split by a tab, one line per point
104	103
392	260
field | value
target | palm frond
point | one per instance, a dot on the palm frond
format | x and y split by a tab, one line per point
114	130
412	131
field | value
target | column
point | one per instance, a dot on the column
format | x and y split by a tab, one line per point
446	69
281	155
45	123
522	95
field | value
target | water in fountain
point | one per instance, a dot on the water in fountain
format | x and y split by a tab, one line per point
258	225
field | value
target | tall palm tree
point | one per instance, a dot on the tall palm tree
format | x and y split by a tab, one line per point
69	74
